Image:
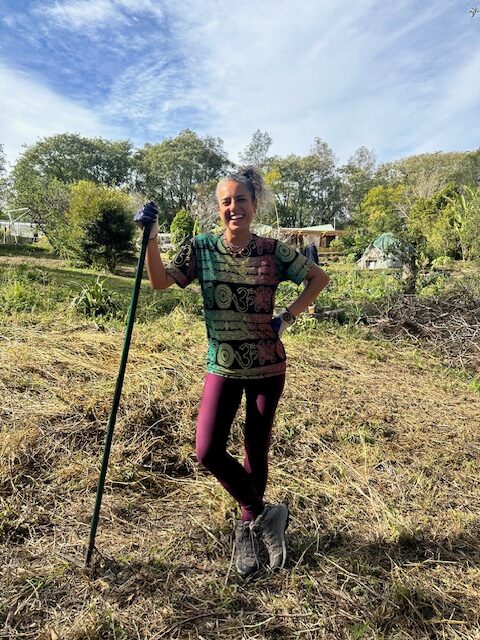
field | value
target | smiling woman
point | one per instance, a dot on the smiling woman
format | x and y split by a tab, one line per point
239	273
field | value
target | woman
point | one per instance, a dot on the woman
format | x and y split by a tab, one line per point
239	273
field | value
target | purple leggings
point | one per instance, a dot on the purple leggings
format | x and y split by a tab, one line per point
220	401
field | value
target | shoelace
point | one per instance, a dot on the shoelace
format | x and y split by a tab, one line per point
249	543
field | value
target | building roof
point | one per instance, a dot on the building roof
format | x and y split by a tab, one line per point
317	230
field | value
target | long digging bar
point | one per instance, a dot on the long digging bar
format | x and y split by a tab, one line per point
116	396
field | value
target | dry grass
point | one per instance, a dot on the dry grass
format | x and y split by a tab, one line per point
376	450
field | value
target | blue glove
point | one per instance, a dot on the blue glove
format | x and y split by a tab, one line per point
147	215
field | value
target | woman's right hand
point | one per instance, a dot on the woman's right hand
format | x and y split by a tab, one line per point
147	215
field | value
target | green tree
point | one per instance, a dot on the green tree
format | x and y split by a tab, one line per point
101	228
170	172
466	211
426	174
48	202
306	188
432	226
358	177
182	228
256	152
3	182
382	210
69	158
43	175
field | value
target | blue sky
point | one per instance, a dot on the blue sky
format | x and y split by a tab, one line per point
398	77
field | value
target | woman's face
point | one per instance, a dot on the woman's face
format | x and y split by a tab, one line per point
236	206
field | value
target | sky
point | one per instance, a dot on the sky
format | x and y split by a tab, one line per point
400	77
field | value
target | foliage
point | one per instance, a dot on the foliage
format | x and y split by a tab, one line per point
358	177
101	228
44	173
466	212
26	289
382	209
257	150
354	241
306	189
48	201
431	224
182	228
205	207
97	300
170	172
70	158
3	181
425	174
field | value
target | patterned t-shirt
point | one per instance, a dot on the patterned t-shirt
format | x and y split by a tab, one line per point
238	296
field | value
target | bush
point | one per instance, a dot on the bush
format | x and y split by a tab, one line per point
182	228
101	229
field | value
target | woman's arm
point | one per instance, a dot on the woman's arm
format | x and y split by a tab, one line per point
317	279
158	276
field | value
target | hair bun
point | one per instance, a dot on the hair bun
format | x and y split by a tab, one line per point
252	178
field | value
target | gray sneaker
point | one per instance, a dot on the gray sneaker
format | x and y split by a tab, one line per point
271	525
246	549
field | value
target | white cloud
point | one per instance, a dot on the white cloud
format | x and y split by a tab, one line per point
366	75
31	111
90	15
393	76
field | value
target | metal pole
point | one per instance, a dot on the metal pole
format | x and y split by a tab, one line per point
116	397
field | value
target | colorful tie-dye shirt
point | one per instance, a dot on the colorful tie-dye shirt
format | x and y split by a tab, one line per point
238	296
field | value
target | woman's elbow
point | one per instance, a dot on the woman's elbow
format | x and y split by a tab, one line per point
321	279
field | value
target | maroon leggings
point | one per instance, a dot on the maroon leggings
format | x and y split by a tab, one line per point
220	401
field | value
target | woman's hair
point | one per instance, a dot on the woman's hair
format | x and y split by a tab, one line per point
251	178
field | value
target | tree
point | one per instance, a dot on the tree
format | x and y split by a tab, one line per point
48	202
256	152
3	182
381	210
431	224
182	228
428	173
466	211
70	158
170	172
101	228
358	177
43	175
306	189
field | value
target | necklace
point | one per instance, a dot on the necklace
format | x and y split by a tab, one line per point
237	249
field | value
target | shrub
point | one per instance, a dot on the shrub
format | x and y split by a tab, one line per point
182	228
101	227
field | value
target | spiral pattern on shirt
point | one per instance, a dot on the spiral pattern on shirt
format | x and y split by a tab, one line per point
225	355
223	296
285	253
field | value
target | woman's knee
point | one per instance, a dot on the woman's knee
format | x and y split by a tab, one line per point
208	456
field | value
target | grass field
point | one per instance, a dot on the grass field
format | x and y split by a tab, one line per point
376	449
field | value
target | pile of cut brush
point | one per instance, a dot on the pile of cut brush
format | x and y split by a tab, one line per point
450	324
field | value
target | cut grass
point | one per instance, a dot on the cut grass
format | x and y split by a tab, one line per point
375	449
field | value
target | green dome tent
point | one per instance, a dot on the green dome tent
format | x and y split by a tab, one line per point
385	252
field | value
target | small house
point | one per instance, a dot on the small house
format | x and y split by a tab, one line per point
321	236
